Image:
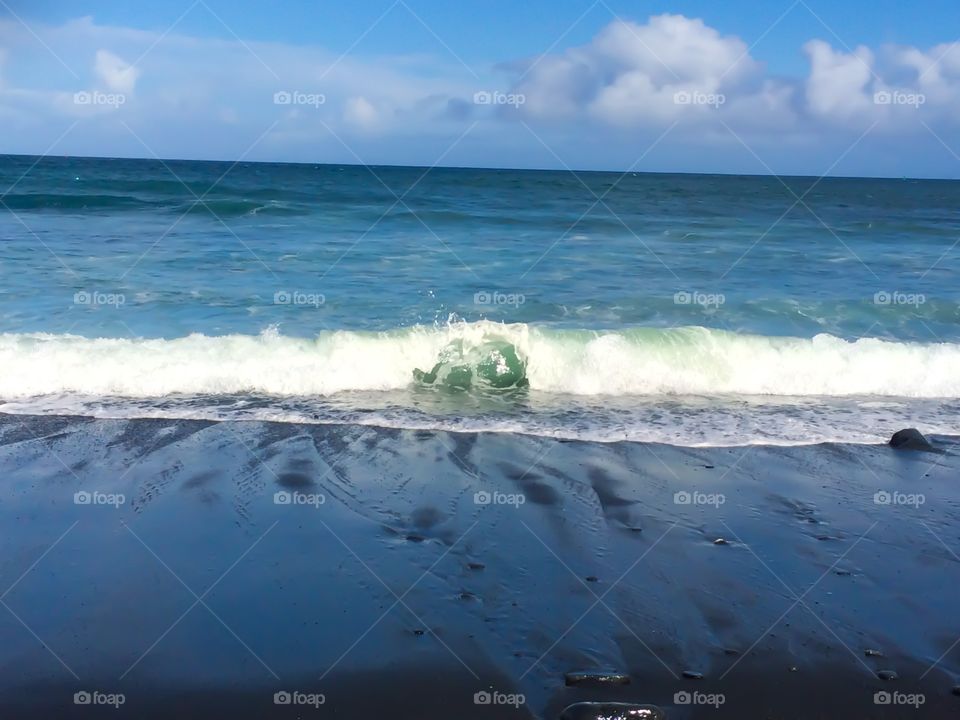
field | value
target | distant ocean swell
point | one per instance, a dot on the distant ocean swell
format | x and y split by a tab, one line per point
481	355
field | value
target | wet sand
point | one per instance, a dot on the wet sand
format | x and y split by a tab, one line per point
380	581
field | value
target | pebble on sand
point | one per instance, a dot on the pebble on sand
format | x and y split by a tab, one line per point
887	674
870	652
910	439
693	675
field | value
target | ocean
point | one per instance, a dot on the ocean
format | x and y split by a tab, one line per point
279	440
684	309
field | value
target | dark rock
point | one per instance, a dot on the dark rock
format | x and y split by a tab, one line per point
592	578
475	566
594	678
416	538
720	541
611	711
692	675
418	633
956	690
887	674
869	652
910	439
731	651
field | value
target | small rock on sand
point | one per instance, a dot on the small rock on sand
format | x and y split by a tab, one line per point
870	652
887	674
910	439
693	675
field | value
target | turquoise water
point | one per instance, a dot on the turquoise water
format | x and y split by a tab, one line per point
689	309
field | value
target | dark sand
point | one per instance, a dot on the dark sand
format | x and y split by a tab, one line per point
401	597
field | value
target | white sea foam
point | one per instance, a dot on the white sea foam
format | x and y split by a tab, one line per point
641	362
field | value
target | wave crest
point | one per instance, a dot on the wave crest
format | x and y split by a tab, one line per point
640	361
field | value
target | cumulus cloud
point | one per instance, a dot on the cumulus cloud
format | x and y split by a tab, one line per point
670	68
677	69
114	73
839	82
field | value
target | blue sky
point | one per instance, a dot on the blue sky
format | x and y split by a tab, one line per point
803	86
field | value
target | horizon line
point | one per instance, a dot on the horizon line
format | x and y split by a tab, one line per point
481	168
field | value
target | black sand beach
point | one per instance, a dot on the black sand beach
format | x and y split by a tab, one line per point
379	582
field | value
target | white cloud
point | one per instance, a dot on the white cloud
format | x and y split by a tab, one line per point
359	113
838	85
671	67
115	73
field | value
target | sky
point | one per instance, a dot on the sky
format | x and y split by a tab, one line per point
811	87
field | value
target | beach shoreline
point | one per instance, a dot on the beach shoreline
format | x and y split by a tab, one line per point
199	567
